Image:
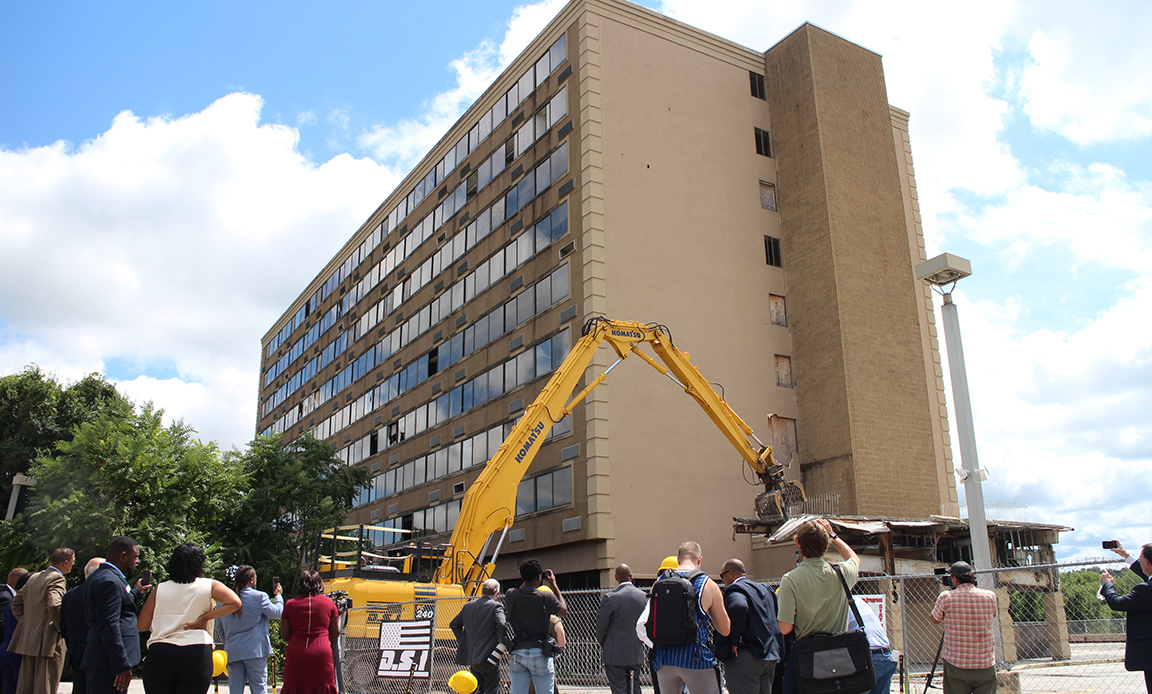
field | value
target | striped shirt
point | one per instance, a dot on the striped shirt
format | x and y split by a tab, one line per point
967	613
694	655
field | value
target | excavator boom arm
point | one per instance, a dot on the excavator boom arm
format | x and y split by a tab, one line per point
490	502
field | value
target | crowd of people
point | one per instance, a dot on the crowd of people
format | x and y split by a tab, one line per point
96	626
753	626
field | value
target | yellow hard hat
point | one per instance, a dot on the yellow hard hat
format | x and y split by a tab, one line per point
219	663
463	682
668	563
546	589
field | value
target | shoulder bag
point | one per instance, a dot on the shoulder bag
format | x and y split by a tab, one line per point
835	663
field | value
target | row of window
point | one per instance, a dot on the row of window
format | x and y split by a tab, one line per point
540	493
550	490
543	176
427	521
504	106
505	376
445	462
488	219
500	263
441	357
532	78
538	298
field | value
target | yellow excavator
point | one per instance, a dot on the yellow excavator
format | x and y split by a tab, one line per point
402	583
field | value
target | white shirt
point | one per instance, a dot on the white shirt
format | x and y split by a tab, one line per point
877	637
178	604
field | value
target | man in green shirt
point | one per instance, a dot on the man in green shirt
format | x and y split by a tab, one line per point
810	596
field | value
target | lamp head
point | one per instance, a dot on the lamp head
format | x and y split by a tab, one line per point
943	269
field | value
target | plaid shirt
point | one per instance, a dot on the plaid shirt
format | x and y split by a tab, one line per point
967	613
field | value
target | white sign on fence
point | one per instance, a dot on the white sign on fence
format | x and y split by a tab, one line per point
876	602
406	649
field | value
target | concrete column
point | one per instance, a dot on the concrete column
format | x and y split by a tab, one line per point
1007	628
1058	646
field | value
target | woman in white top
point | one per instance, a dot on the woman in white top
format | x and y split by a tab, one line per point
178	612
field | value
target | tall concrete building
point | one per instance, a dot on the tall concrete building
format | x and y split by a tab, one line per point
760	204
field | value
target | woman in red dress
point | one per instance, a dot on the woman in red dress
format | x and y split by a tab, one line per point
309	625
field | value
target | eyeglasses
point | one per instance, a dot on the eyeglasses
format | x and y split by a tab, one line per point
725	573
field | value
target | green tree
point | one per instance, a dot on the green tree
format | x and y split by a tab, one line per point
295	489
125	473
36	412
1081	587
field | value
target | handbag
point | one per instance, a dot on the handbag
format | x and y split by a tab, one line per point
835	663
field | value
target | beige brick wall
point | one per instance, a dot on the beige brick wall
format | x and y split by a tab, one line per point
864	431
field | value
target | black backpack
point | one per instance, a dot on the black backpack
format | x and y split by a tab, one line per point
673	609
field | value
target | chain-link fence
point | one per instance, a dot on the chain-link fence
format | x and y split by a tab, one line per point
1053	635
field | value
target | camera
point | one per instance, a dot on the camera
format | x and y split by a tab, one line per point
342	599
497	654
945	577
1110	544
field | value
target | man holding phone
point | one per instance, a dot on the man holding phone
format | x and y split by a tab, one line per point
1138	606
529	611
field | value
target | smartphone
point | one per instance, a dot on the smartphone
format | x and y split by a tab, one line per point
275	582
1110	544
147	580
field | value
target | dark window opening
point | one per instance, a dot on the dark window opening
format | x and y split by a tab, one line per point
763	143
772	251
757	81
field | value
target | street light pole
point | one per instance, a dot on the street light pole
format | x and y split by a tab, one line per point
942	272
966	433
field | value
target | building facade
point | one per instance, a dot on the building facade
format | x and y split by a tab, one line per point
761	205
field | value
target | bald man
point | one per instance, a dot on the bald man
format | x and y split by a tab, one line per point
8	590
616	632
479	627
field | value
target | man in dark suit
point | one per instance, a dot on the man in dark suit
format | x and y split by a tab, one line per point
479	626
113	646
754	645
620	647
8	590
37	634
1138	605
74	627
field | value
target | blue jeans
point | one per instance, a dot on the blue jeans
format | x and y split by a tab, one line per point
885	666
529	666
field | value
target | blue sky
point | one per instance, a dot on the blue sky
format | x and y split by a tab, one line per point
171	177
71	67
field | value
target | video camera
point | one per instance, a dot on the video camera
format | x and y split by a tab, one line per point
945	577
342	599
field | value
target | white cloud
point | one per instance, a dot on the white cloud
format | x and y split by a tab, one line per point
1059	417
402	144
1096	213
170	240
1089	79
